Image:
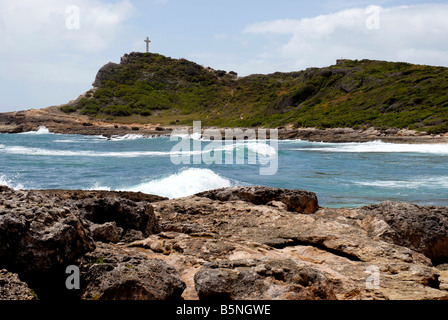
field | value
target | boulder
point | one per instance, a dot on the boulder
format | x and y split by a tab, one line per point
110	275
265	279
12	288
106	232
126	214
36	235
295	200
420	228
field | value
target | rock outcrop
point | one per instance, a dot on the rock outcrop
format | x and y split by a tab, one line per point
295	200
37	234
421	228
111	275
236	243
263	279
12	288
105	72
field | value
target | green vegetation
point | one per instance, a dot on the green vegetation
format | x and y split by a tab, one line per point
357	94
99	260
34	295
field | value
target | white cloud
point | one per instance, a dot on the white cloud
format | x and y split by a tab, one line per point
47	60
415	34
41	25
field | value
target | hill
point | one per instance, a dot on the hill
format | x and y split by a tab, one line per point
148	87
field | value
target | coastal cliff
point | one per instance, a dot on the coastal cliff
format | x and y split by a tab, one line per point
233	243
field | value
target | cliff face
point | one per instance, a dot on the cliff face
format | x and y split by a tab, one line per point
234	243
356	94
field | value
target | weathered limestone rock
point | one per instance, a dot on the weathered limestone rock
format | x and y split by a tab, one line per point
12	288
106	232
295	200
261	280
110	275
420	228
331	240
235	243
127	214
36	235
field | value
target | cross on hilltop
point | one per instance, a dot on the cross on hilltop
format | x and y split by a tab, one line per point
147	44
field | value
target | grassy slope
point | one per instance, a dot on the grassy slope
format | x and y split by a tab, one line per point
154	88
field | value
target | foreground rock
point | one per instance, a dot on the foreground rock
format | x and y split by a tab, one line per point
235	243
294	200
421	228
39	235
12	288
263	279
119	276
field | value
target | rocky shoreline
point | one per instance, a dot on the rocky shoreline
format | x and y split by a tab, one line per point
239	243
58	122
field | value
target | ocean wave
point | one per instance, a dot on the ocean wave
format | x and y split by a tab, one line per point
18	150
129	136
374	147
184	183
430	182
257	147
41	130
5	181
261	148
98	187
193	136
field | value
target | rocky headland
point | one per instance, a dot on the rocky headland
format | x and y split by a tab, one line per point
58	122
233	243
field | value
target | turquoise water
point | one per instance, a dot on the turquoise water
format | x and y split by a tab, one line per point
342	175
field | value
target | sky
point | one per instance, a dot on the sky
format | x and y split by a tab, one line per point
51	50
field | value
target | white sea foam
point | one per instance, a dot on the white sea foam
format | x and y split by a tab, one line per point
429	182
129	136
18	150
183	183
375	147
41	130
5	181
66	141
98	187
256	147
261	148
193	136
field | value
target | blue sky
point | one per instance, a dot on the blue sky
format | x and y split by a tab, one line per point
44	63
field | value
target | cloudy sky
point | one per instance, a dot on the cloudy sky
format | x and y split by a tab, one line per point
51	49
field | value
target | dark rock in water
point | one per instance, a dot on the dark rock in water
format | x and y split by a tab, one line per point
421	228
295	200
261	280
110	275
12	288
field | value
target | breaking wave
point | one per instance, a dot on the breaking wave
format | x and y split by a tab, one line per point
184	183
374	147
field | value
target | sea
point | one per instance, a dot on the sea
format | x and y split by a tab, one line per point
341	174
